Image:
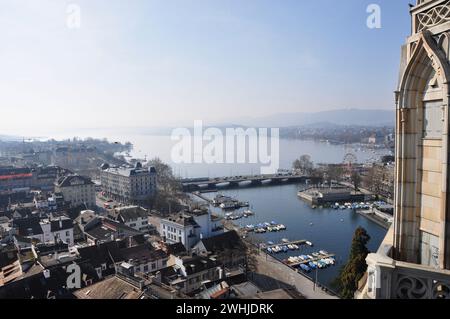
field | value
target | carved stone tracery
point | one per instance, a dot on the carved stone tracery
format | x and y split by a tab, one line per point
433	17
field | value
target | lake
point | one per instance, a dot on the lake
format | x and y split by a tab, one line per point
150	146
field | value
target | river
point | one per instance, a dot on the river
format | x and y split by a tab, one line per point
327	229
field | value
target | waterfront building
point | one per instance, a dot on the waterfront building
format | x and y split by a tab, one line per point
414	260
188	227
78	190
128	185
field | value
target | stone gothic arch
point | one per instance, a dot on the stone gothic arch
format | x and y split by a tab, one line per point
422	204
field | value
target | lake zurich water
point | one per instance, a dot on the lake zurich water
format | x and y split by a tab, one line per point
327	229
150	146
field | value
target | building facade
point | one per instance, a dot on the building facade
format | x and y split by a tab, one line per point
414	259
78	190
133	216
49	230
128	185
189	227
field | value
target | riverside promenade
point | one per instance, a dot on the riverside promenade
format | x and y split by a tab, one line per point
273	274
270	268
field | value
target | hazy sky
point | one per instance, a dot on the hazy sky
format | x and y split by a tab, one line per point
150	63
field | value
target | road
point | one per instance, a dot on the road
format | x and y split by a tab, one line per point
283	274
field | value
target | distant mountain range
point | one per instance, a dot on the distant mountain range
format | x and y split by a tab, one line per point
9	138
342	117
357	117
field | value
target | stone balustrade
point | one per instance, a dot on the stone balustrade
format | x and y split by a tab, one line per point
391	279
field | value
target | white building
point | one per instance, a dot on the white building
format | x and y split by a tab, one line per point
189	227
78	190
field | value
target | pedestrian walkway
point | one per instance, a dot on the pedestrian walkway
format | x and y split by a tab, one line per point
270	267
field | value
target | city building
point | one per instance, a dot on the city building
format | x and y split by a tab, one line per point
77	190
49	230
102	230
227	248
40	177
133	216
106	257
413	262
188	227
132	185
190	273
14	178
72	157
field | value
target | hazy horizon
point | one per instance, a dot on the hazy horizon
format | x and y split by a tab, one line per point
168	63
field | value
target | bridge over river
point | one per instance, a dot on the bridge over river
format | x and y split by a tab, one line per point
205	184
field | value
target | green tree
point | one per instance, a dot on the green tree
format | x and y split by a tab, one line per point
354	270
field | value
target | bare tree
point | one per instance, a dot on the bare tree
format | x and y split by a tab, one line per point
356	179
304	164
333	173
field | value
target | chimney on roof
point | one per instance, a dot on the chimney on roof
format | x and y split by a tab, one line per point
60	222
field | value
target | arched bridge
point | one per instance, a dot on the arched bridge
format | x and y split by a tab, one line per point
195	184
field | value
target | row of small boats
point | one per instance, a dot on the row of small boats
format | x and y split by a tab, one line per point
234	216
282	248
361	205
308	262
286	246
265	227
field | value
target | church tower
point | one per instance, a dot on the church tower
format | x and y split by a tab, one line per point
422	197
413	261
